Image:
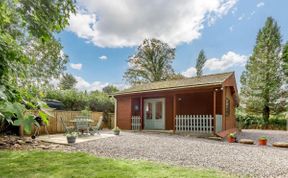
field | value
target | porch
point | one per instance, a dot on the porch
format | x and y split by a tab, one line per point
193	111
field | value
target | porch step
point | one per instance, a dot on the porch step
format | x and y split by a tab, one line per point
224	133
158	131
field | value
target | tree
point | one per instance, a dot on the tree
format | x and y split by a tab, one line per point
261	81
25	24
285	61
47	61
110	89
285	73
67	82
201	59
152	62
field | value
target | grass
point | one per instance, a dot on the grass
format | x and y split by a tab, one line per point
59	164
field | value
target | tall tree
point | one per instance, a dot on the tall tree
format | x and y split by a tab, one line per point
261	81
110	89
28	49
285	61
47	61
152	62
285	73
201	59
23	24
67	82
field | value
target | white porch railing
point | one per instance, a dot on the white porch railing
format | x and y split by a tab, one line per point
136	122
194	123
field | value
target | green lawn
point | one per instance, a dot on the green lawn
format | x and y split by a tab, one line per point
59	164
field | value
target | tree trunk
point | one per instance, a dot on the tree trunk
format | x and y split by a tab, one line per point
266	115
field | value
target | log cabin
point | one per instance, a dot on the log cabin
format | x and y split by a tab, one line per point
204	104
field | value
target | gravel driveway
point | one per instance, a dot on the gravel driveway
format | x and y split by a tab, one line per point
234	158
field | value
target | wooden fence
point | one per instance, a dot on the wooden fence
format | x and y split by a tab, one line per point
194	123
136	122
55	125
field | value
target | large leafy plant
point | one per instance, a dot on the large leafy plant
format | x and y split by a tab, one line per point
16	113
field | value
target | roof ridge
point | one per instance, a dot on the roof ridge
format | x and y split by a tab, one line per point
213	74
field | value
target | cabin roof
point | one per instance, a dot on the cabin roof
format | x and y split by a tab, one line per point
202	81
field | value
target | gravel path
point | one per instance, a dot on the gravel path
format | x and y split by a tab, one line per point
235	158
272	135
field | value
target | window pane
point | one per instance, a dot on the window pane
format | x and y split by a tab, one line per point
227	107
148	111
159	110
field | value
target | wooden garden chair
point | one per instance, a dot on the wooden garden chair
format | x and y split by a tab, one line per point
97	128
67	129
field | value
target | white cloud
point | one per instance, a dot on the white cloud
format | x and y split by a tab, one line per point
241	17
260	4
83	85
228	60
234	10
189	72
126	23
231	28
103	58
76	66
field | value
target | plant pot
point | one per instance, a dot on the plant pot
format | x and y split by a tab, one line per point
71	139
231	139
116	132
262	142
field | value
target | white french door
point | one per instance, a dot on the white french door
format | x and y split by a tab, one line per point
154	113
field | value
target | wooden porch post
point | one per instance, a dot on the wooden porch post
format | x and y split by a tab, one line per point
174	112
223	109
115	112
214	110
141	113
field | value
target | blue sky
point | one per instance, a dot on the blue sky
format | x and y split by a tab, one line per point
102	35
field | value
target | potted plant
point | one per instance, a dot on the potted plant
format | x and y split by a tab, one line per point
71	137
231	138
116	131
262	140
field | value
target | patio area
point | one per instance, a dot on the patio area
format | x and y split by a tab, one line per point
61	138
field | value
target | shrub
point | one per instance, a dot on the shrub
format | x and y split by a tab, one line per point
77	100
257	122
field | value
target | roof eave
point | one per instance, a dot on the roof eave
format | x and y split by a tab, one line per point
167	89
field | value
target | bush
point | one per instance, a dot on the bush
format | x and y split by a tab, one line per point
77	100
257	122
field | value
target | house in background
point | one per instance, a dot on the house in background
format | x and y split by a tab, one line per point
203	104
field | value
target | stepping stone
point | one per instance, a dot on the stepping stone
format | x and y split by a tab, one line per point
281	144
246	141
215	138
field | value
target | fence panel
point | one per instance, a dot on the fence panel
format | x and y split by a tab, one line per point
55	125
194	123
136	122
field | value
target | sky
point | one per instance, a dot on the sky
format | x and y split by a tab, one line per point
103	34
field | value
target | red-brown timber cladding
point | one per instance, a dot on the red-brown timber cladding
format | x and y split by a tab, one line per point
124	113
188	101
230	119
230	91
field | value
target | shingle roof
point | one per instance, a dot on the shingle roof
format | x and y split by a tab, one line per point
205	80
